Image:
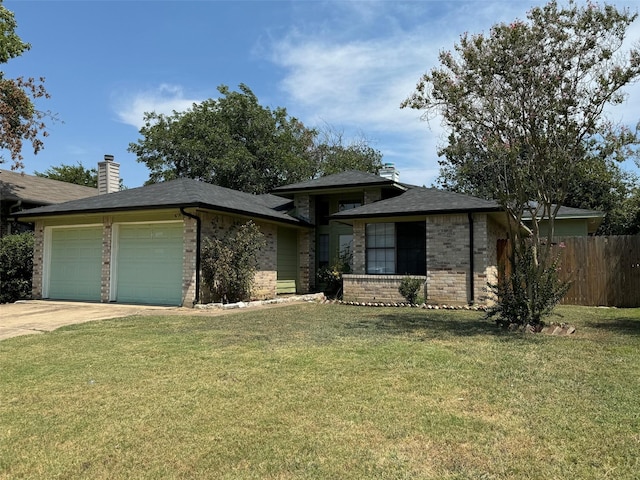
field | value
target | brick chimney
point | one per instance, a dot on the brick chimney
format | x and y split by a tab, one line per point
108	176
389	171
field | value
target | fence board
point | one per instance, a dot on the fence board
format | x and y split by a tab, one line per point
603	271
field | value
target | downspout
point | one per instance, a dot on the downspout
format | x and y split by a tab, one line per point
471	262
198	230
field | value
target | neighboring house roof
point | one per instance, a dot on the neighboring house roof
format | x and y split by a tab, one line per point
347	179
593	218
174	194
16	186
420	201
570	212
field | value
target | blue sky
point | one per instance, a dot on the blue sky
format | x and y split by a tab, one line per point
347	64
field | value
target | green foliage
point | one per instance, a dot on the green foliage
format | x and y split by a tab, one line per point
235	142
232	141
525	109
409	288
530	293
16	267
333	155
19	119
330	277
78	174
230	261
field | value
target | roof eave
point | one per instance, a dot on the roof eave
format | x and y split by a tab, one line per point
205	206
414	213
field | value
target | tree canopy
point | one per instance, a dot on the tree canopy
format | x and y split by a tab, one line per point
77	174
525	109
235	142
19	119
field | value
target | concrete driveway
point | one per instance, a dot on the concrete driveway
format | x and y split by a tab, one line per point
38	316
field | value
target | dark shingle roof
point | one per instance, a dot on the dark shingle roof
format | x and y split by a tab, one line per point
348	179
15	186
570	212
176	193
421	201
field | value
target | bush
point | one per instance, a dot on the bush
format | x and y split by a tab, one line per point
409	289
330	277
529	294
229	263
16	267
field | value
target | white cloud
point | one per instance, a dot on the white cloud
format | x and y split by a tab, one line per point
354	71
131	107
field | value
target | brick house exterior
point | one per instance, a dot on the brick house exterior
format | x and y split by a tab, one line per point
143	244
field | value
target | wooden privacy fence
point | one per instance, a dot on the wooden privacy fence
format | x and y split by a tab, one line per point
604	271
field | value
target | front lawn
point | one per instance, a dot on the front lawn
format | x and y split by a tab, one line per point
323	391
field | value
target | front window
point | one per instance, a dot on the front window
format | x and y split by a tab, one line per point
381	246
396	248
323	250
348	205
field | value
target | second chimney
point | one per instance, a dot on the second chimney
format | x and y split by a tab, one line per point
389	171
108	176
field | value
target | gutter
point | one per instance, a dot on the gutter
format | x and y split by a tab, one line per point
198	248
471	262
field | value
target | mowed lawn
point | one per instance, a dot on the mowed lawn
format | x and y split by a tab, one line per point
323	391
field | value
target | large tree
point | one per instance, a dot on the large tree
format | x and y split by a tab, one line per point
77	174
232	141
333	153
19	119
525	109
235	142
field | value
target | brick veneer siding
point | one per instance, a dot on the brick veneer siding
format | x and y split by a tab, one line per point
306	242
38	260
105	281
189	254
448	279
305	208
375	288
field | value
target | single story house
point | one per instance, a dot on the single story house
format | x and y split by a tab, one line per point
142	245
571	222
19	191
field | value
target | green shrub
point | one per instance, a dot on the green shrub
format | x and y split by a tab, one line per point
330	277
230	262
16	267
529	294
409	289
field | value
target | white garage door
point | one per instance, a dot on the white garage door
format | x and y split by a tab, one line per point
76	263
149	263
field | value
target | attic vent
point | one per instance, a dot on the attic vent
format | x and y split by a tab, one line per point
389	171
108	176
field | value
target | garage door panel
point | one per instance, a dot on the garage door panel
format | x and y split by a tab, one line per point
149	264
76	264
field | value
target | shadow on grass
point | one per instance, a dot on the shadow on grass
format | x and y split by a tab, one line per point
435	325
627	326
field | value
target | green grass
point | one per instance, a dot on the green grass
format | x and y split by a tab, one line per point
323	391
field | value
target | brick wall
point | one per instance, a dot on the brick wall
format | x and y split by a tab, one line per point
105	281
189	261
38	260
448	279
375	288
306	210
